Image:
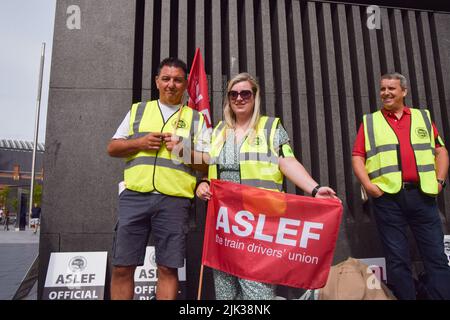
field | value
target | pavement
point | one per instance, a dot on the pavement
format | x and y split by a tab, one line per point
18	249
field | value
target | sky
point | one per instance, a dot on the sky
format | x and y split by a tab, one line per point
24	26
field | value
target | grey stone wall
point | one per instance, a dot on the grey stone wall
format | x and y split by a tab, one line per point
91	89
318	66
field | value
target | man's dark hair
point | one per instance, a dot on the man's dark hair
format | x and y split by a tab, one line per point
173	62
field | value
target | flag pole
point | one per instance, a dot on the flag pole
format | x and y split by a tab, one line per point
36	132
200	283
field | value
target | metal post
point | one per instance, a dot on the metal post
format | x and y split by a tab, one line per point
36	131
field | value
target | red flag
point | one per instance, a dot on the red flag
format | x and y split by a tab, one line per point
198	88
269	236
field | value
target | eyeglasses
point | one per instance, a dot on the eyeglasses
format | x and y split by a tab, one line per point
245	94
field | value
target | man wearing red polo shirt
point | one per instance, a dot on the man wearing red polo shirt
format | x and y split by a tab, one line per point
401	162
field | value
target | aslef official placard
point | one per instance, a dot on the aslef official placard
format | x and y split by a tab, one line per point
145	278
76	276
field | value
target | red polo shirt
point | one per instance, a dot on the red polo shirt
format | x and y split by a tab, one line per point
402	128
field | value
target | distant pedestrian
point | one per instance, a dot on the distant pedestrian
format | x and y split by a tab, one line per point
6	219
35	217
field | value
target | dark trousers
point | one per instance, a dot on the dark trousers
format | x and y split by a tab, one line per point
393	213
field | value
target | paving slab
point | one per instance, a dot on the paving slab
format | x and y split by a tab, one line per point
18	249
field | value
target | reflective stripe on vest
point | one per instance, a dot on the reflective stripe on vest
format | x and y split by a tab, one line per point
258	168
151	170
383	152
172	164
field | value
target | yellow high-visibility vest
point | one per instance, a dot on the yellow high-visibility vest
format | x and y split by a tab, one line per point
152	170
258	160
383	152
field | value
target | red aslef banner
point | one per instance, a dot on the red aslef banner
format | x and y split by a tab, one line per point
269	236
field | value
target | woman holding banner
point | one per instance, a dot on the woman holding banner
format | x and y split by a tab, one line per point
254	150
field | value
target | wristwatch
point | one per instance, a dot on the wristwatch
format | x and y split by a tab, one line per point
315	190
442	183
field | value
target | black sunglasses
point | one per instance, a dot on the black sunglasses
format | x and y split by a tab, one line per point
245	94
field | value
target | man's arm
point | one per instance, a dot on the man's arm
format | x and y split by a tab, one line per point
359	168
123	148
442	164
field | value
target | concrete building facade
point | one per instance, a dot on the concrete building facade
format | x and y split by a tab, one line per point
16	159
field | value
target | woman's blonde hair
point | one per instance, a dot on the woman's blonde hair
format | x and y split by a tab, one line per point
228	114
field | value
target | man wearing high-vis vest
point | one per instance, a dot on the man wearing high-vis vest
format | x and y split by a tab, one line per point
159	182
402	163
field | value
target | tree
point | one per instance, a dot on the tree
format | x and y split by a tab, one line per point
37	194
4	194
15	204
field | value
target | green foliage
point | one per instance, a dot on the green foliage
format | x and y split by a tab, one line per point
37	194
4	194
15	204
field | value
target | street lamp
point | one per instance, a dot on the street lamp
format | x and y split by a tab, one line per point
36	132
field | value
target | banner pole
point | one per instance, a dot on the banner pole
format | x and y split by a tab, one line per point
200	283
